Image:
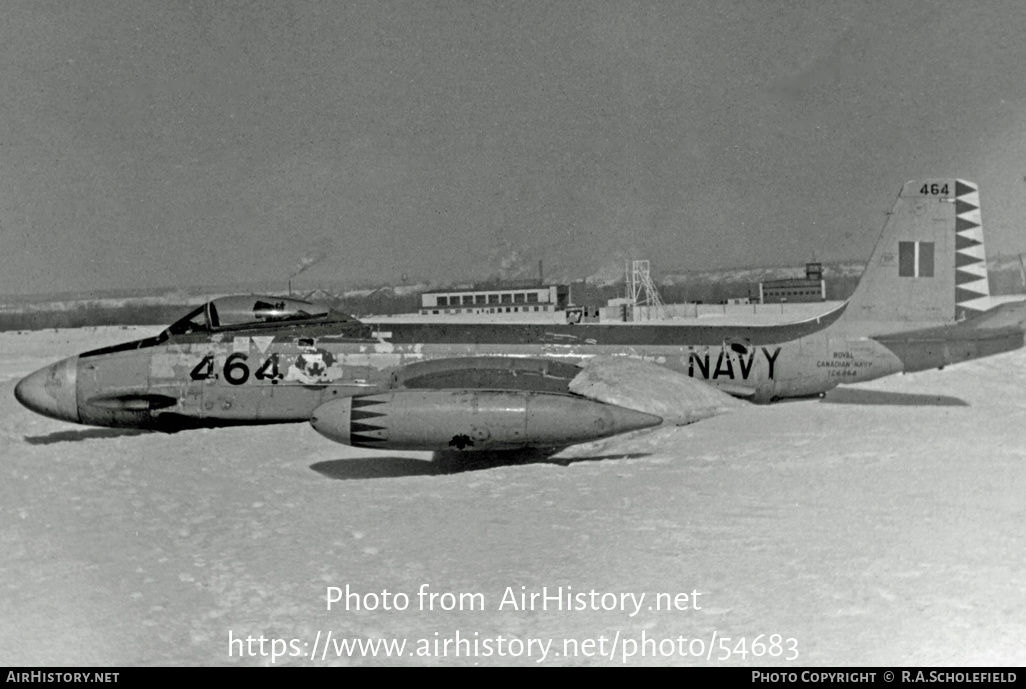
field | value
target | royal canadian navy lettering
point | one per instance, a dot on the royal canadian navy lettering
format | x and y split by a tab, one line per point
843	364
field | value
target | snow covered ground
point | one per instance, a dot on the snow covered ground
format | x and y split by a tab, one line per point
882	525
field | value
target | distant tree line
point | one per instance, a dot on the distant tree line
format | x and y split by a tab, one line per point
1006	280
379	302
89	314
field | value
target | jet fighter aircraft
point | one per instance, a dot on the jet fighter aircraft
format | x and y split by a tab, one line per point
922	302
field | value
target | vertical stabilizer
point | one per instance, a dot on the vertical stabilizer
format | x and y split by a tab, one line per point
929	265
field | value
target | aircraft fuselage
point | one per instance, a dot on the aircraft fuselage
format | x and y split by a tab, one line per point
256	376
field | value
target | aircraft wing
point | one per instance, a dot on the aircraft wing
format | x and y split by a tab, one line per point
495	403
678	399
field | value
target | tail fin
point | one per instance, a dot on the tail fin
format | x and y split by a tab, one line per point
929	266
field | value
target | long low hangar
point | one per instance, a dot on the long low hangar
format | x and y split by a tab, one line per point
495	300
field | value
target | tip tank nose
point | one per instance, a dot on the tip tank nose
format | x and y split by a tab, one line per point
332	420
50	391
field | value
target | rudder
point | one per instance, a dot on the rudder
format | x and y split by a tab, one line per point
972	286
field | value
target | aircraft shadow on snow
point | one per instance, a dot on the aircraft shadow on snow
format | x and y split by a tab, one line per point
445	463
879	397
84	434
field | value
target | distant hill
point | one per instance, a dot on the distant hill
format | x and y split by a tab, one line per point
162	307
713	286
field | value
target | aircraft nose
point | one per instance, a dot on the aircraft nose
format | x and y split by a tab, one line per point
50	391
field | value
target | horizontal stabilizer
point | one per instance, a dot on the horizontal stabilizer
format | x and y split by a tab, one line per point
1001	329
653	389
1011	314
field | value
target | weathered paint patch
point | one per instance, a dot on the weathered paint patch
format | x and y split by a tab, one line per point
162	364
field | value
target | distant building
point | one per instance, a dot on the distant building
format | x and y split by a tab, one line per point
810	288
585	314
497	299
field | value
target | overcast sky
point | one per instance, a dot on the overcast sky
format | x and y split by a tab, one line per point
148	144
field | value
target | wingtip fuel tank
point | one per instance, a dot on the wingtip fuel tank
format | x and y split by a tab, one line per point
472	420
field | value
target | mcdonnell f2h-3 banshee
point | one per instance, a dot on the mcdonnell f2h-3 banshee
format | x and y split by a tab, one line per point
923	302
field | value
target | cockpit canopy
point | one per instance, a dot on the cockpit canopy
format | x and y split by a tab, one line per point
237	313
249	311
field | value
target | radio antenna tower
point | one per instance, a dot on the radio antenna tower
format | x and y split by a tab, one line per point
642	291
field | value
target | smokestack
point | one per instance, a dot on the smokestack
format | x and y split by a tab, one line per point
541	273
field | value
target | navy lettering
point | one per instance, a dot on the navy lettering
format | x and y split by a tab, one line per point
771	359
719	366
694	358
745	370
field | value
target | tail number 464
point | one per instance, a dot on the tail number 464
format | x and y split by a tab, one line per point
934	190
236	370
